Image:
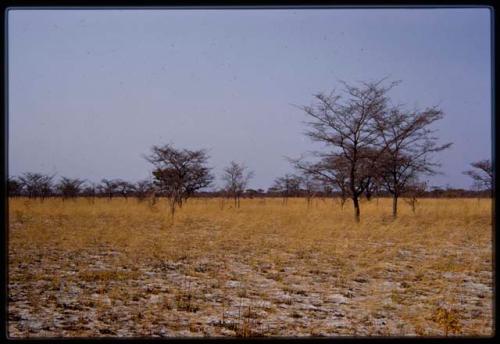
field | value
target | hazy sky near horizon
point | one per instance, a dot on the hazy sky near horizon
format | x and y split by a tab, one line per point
90	91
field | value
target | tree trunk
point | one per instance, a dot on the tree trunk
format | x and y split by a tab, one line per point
172	210
356	208
395	206
354	194
368	195
413	206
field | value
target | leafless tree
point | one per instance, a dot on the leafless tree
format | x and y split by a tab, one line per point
407	145
413	191
311	186
331	171
108	187
124	188
374	186
327	191
236	180
37	184
69	188
287	186
345	124
179	173
143	189
482	175
89	191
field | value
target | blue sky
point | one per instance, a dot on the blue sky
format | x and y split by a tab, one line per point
90	91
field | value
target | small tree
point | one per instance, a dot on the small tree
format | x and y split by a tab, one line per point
236	181
143	188
331	171
373	186
14	187
287	186
179	173
413	191
108	187
327	191
89	191
69	188
124	188
311	186
482	175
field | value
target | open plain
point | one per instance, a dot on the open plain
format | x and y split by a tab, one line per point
83	268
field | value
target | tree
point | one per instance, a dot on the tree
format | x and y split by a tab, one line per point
179	173
414	190
143	188
311	187
331	171
89	191
124	188
15	187
108	187
68	187
37	184
287	186
236	180
407	146
482	175
252	193
373	186
345	124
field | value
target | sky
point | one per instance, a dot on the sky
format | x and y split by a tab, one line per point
90	91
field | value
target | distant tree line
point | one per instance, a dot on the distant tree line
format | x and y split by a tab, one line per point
41	186
38	185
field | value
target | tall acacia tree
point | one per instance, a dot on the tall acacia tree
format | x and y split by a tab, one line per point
408	145
236	179
344	122
179	173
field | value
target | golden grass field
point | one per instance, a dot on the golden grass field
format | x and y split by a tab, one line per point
122	268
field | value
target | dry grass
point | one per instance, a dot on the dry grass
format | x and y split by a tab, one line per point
122	268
